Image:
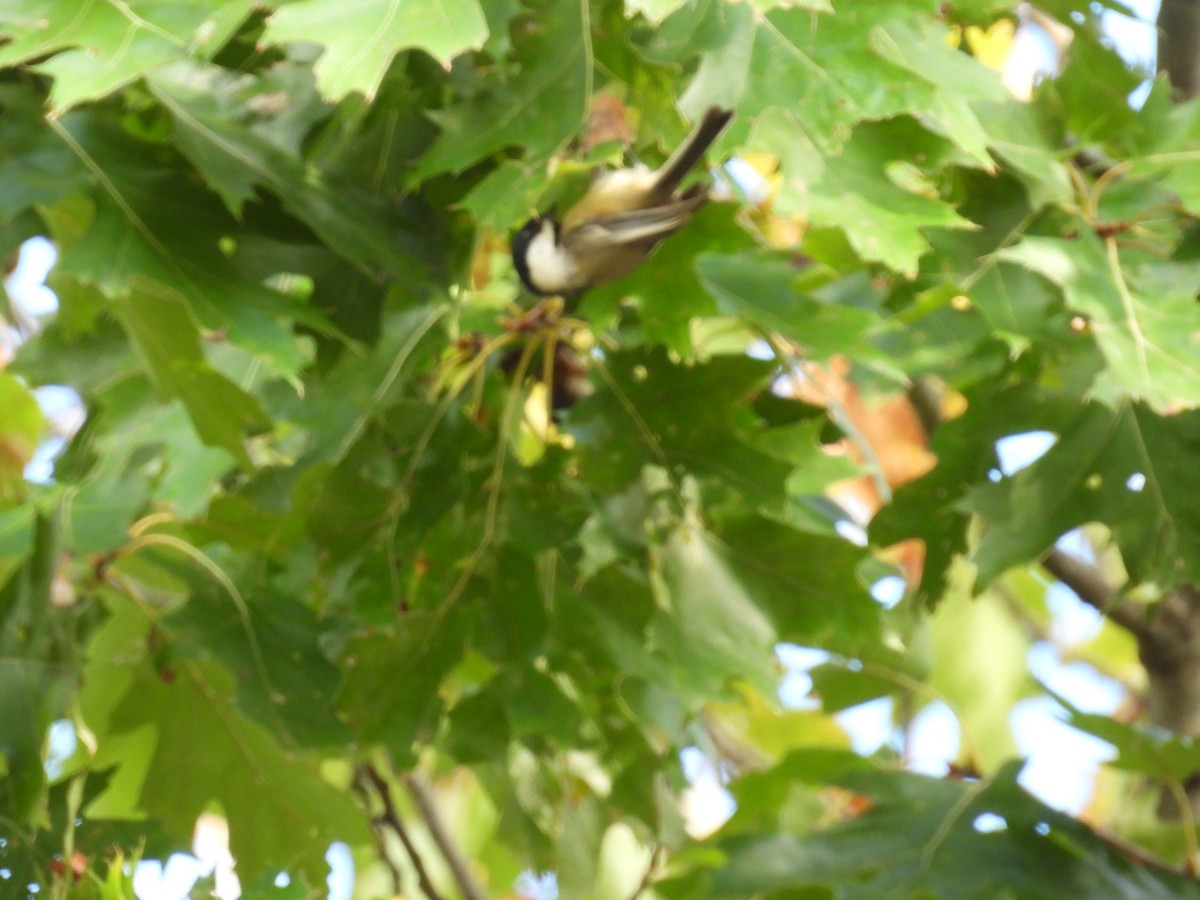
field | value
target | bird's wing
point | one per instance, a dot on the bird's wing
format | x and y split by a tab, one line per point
641	226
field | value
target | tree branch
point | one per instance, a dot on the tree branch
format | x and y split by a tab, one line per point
377	831
426	805
1093	589
1179	45
391	819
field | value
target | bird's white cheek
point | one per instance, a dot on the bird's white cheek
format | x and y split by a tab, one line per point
550	268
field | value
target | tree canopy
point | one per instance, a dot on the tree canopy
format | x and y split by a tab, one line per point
358	544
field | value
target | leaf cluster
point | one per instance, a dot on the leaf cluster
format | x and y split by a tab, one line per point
318	513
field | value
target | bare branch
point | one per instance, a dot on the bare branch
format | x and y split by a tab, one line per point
391	819
378	832
423	797
1090	585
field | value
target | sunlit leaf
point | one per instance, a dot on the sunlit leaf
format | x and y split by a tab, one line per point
361	38
97	46
20	430
1145	320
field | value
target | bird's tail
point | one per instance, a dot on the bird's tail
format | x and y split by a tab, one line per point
692	150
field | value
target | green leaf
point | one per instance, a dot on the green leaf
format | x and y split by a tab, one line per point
32	694
272	647
806	583
684	417
1140	748
105	506
979	668
282	814
606	620
36	672
755	584
391	691
16	537
477	727
169	345
921	837
207	105
763	291
538	108
97	46
711	625
1127	468
360	38
1145	319
538	709
878	201
753	726
364	387
36	166
1023	135
236	151
843	684
155	224
1019	304
1109	466
499	199
1094	88
835	170
655	10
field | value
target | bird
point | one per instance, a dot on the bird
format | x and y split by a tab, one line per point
617	223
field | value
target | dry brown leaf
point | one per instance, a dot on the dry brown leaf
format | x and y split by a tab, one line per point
894	440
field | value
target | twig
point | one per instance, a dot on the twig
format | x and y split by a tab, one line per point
1090	160
1140	856
1093	589
1068	652
377	823
648	878
427	807
1188	816
391	819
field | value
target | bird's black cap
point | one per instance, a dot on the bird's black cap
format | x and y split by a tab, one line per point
520	251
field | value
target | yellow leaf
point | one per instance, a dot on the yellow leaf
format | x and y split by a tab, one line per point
992	46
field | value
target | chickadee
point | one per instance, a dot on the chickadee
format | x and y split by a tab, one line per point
614	226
